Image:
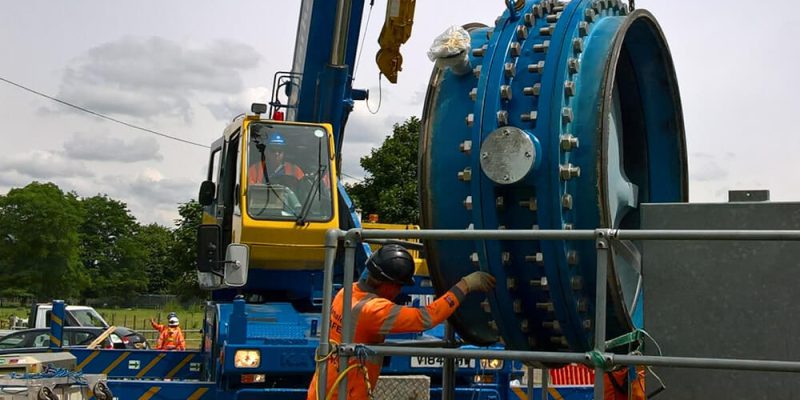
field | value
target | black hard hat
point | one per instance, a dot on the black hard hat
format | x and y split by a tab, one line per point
392	263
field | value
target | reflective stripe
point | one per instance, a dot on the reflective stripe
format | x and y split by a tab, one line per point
458	293
388	323
179	366
357	312
87	360
150	365
150	393
198	394
427	321
115	363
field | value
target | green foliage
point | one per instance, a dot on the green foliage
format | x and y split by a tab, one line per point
39	242
55	245
390	190
110	251
157	243
184	250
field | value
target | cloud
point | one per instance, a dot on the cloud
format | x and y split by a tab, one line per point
418	97
150	187
149	195
148	77
363	133
234	105
103	147
11	179
363	127
707	167
46	165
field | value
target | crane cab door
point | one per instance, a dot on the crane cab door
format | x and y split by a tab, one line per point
218	196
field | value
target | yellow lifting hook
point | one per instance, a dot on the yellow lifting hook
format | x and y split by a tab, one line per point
396	31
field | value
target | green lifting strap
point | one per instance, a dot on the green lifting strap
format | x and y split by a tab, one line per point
628	338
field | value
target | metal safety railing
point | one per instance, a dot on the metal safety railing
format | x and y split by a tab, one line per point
598	358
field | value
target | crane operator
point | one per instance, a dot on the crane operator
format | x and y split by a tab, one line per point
376	315
272	161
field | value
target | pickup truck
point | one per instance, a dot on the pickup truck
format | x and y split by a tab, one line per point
76	316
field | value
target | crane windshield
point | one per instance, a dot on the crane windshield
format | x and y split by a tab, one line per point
288	174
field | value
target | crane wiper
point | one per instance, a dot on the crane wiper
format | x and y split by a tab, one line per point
301	218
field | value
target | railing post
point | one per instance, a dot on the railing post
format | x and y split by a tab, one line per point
331	240
449	367
545	383
602	246
529	382
348	325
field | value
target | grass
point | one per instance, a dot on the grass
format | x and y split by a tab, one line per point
137	319
8	312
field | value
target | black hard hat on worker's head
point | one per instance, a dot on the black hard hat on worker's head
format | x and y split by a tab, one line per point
392	263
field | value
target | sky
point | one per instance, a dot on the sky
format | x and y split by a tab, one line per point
185	68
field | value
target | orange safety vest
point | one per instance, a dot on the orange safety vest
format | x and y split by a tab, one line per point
615	385
169	338
374	317
255	174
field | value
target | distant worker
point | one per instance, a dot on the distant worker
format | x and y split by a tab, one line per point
170	337
376	315
272	161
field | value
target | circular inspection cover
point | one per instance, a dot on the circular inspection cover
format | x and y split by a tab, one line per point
507	155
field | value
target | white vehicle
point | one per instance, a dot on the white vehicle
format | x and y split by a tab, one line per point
75	316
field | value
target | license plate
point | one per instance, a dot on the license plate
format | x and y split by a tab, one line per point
438	362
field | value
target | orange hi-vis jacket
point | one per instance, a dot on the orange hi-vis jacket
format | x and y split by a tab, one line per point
374	317
616	385
255	174
169	338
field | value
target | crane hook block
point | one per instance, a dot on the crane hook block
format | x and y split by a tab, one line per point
396	31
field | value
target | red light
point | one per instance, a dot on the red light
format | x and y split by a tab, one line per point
277	116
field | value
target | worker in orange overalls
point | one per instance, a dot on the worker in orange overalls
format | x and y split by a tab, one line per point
376	315
169	337
272	161
615	385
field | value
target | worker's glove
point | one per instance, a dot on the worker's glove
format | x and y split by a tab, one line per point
479	281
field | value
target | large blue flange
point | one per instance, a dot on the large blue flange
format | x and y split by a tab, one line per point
570	119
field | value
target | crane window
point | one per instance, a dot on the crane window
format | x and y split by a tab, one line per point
288	175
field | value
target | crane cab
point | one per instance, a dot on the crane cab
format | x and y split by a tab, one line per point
270	186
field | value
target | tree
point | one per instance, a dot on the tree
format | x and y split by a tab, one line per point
39	242
184	250
390	188
110	250
157	242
